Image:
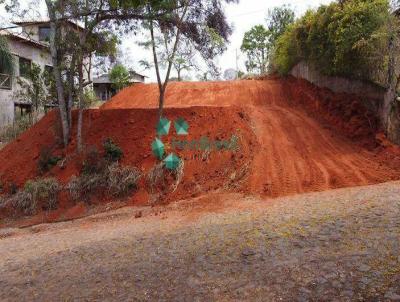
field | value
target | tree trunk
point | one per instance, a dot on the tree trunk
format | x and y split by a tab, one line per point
57	73
81	106
391	107
163	86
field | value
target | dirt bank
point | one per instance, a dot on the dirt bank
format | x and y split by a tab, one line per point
294	138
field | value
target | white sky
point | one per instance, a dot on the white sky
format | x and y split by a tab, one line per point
242	16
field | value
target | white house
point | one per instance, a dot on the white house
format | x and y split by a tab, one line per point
103	87
29	45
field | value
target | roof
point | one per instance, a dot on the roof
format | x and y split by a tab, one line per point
25	39
105	79
46	21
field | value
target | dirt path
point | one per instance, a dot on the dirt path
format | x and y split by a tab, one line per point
339	245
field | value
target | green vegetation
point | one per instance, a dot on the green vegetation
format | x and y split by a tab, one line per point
103	174
36	193
6	58
46	160
112	151
119	76
349	39
256	46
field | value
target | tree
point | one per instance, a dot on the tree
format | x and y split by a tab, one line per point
201	22
256	46
278	19
119	76
92	13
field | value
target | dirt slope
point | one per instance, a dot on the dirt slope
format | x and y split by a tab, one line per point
294	138
303	132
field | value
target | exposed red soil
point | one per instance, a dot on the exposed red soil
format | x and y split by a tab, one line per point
294	138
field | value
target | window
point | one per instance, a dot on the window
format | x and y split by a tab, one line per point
24	67
44	33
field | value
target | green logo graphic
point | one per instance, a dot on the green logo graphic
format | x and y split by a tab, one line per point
181	126
204	144
163	127
172	161
158	148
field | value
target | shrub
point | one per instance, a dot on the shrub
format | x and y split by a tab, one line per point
348	39
156	176
112	151
85	185
42	192
93	162
122	180
118	181
162	180
46	160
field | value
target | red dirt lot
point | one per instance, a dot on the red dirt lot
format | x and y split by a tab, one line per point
294	138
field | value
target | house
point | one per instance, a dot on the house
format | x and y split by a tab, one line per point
29	45
103	87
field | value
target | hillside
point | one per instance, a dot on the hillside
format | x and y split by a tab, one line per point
293	138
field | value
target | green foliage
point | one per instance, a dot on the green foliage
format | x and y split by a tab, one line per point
39	192
112	151
20	124
279	18
119	76
6	58
46	160
93	162
256	46
33	88
346	40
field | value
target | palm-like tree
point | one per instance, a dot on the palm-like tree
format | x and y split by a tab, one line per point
6	58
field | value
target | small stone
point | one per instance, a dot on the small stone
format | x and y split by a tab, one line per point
364	268
392	296
248	252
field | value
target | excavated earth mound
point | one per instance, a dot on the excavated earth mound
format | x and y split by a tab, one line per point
293	138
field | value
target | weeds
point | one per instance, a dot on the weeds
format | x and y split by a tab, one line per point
40	192
112	151
46	160
122	180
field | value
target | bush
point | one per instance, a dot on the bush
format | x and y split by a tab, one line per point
84	186
93	162
21	124
344	40
112	151
42	192
46	160
116	180
122	180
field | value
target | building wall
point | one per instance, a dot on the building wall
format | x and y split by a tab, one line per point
38	56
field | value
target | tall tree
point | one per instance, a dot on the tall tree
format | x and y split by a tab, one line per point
202	22
119	76
256	46
278	19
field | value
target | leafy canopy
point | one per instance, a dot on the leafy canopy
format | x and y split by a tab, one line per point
346	39
256	46
119	76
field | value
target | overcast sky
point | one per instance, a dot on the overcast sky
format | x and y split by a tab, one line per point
242	16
